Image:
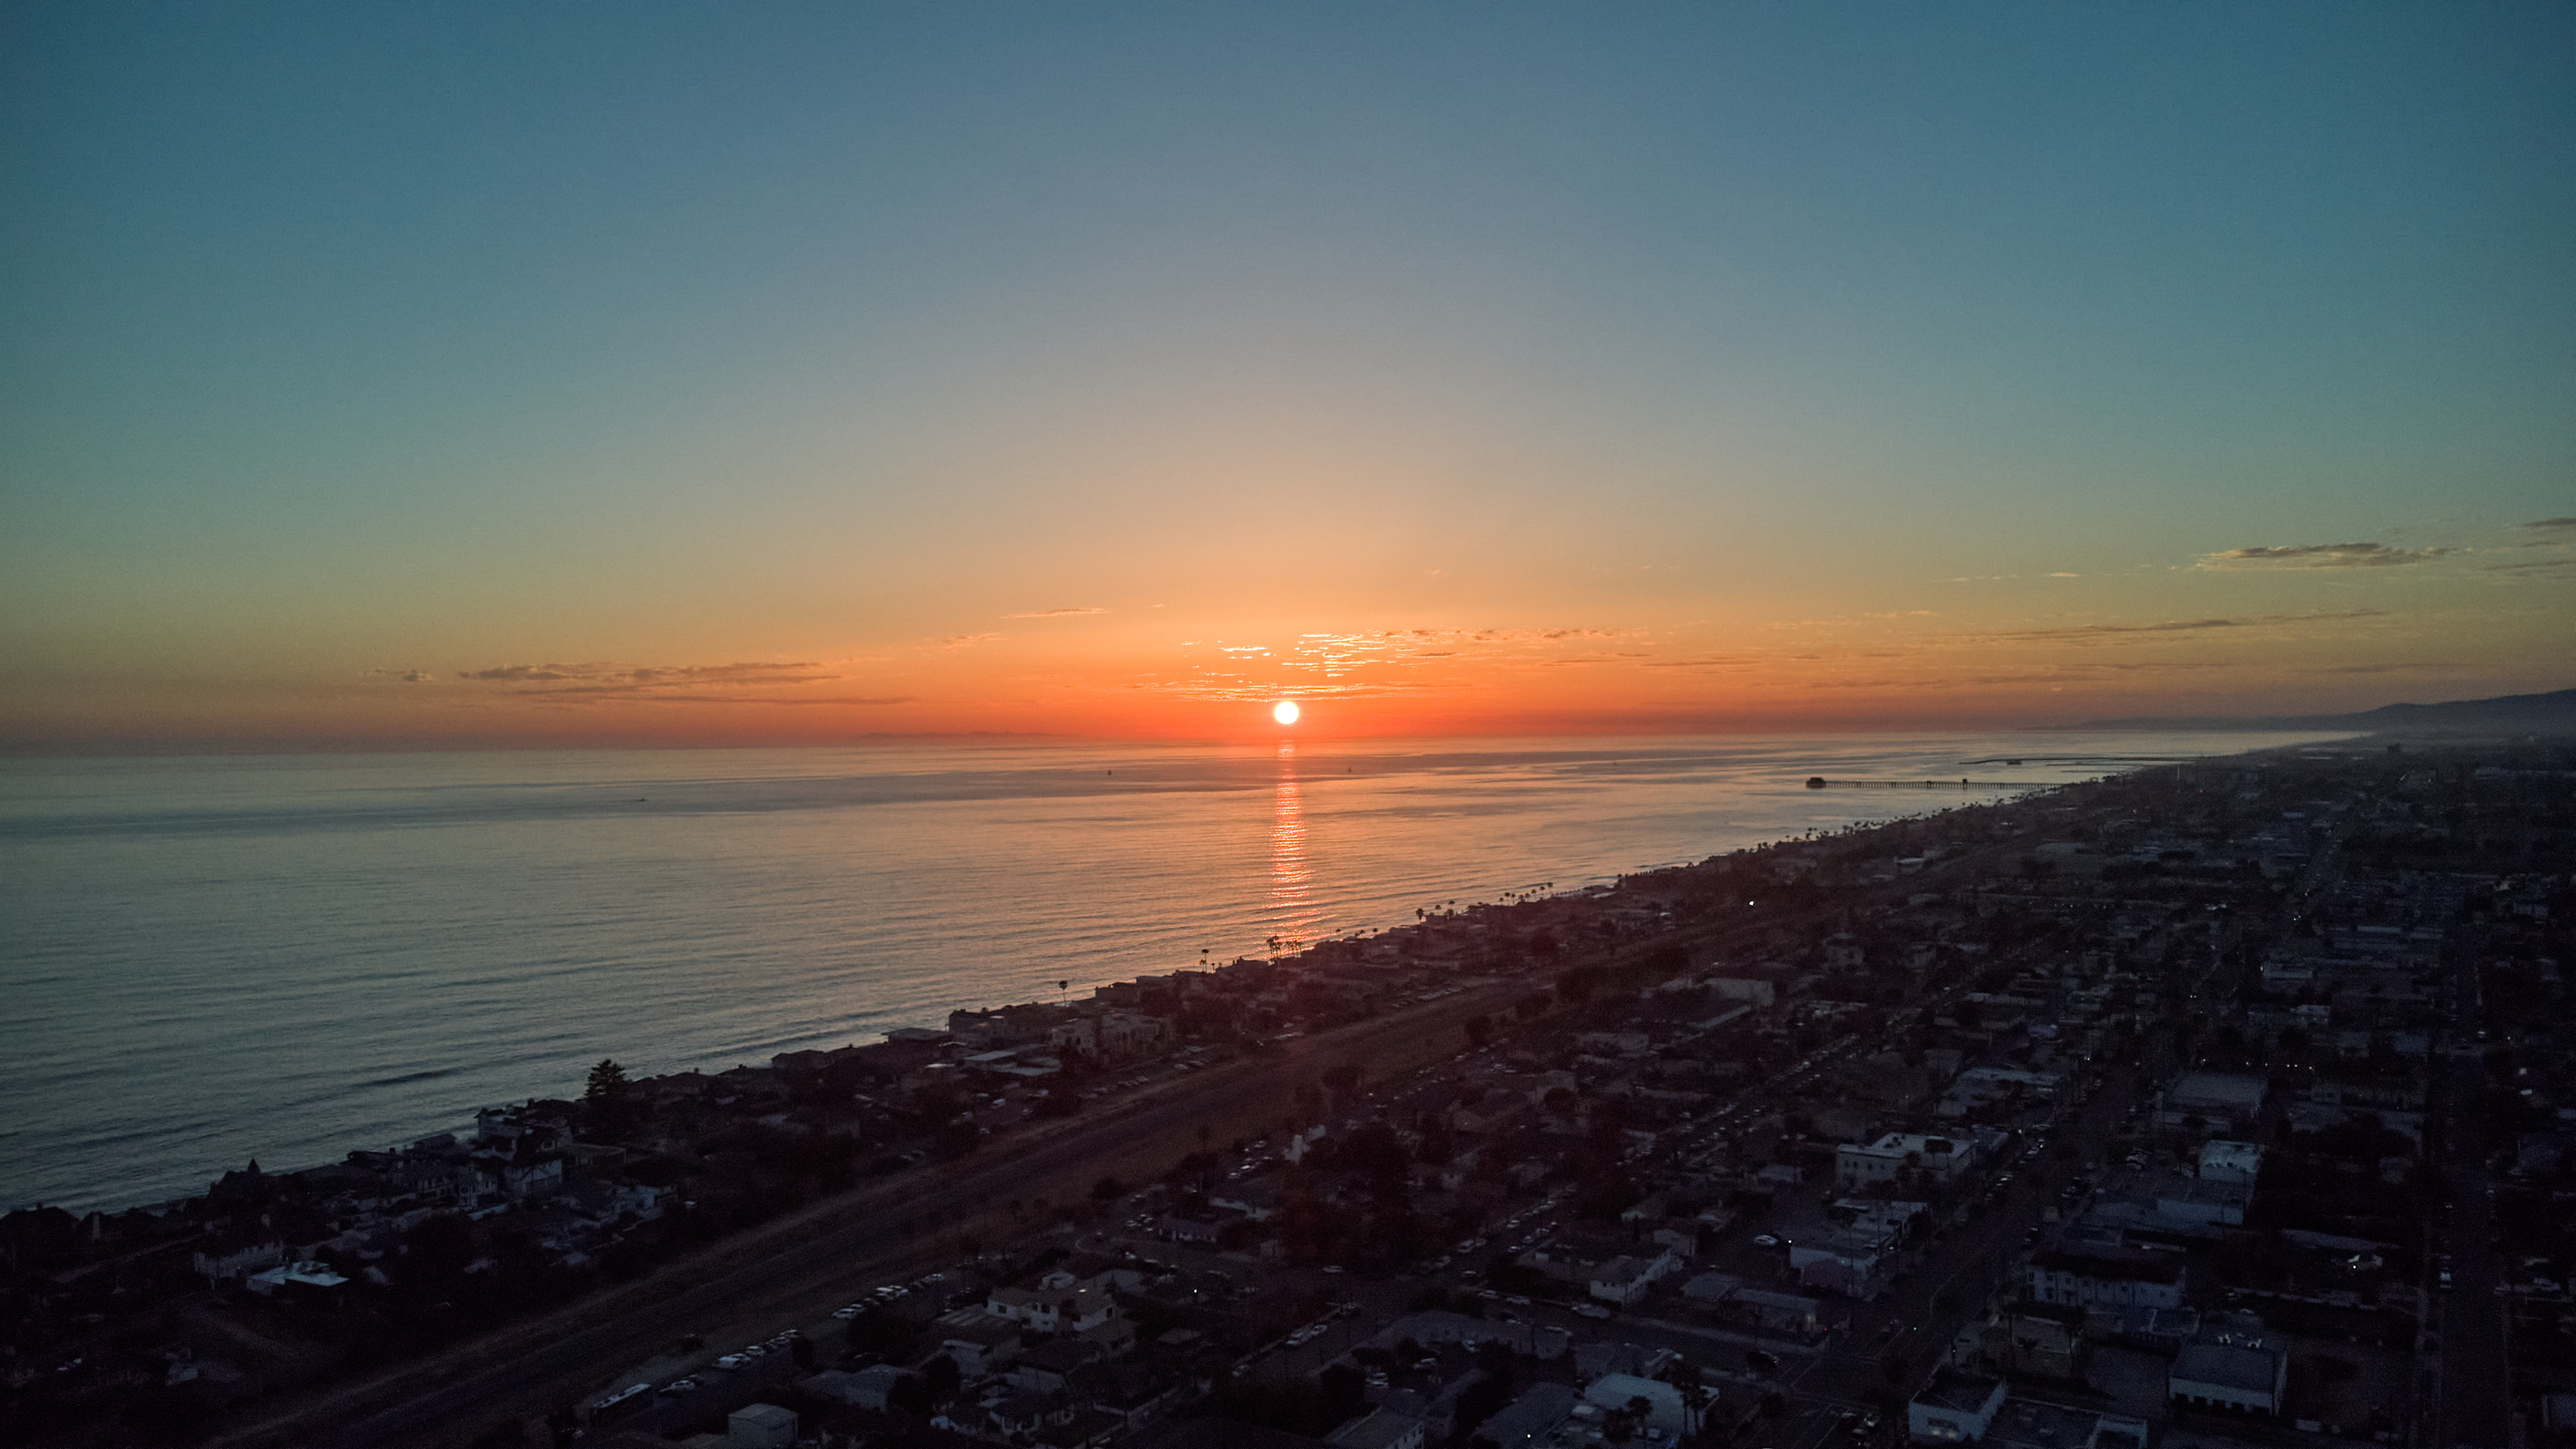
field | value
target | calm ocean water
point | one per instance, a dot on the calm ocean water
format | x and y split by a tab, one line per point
208	960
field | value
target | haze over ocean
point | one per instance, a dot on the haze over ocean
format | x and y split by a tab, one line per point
213	959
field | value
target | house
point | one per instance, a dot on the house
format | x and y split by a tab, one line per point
760	1426
1935	1159
1049	1367
1955	1408
869	1388
2205	1201
1380	1428
1027	1413
2041	1340
296	1280
232	1258
1049	1310
2238	1376
1664	1412
1526	1420
1438	1326
2218	1101
981	1344
1625	1280
2224	1161
2031	1422
2083	1281
1189	1230
1778	1312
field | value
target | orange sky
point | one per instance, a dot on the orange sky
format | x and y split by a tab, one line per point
882	371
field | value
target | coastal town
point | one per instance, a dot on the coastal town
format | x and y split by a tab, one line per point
2214	1103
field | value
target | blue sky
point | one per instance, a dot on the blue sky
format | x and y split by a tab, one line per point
351	342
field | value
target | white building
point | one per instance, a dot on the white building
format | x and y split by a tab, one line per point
1664	1410
2223	1161
1937	1159
1625	1280
1050	1309
2082	1282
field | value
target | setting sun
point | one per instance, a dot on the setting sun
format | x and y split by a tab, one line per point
1285	711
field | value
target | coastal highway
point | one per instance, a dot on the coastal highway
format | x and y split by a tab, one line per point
800	1266
796	1268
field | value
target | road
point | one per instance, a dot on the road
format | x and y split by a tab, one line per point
2475	1384
797	1268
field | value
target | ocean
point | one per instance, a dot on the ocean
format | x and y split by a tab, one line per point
209	960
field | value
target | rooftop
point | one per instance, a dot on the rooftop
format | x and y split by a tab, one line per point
1964	1393
2228	1365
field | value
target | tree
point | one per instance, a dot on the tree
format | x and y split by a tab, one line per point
941	1376
608	1103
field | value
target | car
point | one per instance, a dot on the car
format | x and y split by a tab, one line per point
1517	1301
755	1350
1489	1295
1765	1240
731	1361
1592	1310
1332	1267
681	1386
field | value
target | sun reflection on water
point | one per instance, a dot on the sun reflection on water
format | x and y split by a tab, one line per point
1290	915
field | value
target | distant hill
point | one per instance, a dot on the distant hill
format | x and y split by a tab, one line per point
2552	714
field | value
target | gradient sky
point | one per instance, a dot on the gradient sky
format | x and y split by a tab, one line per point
568	373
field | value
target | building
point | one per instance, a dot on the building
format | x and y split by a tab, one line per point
1936	1159
760	1426
1051	1309
2218	1101
1955	1408
1625	1280
2224	1161
2238	1377
2081	1281
1525	1421
1768	1312
1664	1410
1379	1429
2206	1201
869	1388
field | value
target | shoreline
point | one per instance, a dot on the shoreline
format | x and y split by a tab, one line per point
450	1115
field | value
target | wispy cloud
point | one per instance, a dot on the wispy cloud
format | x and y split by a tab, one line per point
2321	556
597	683
596	692
1057	613
607	678
968	641
406	676
2108	633
2551	523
